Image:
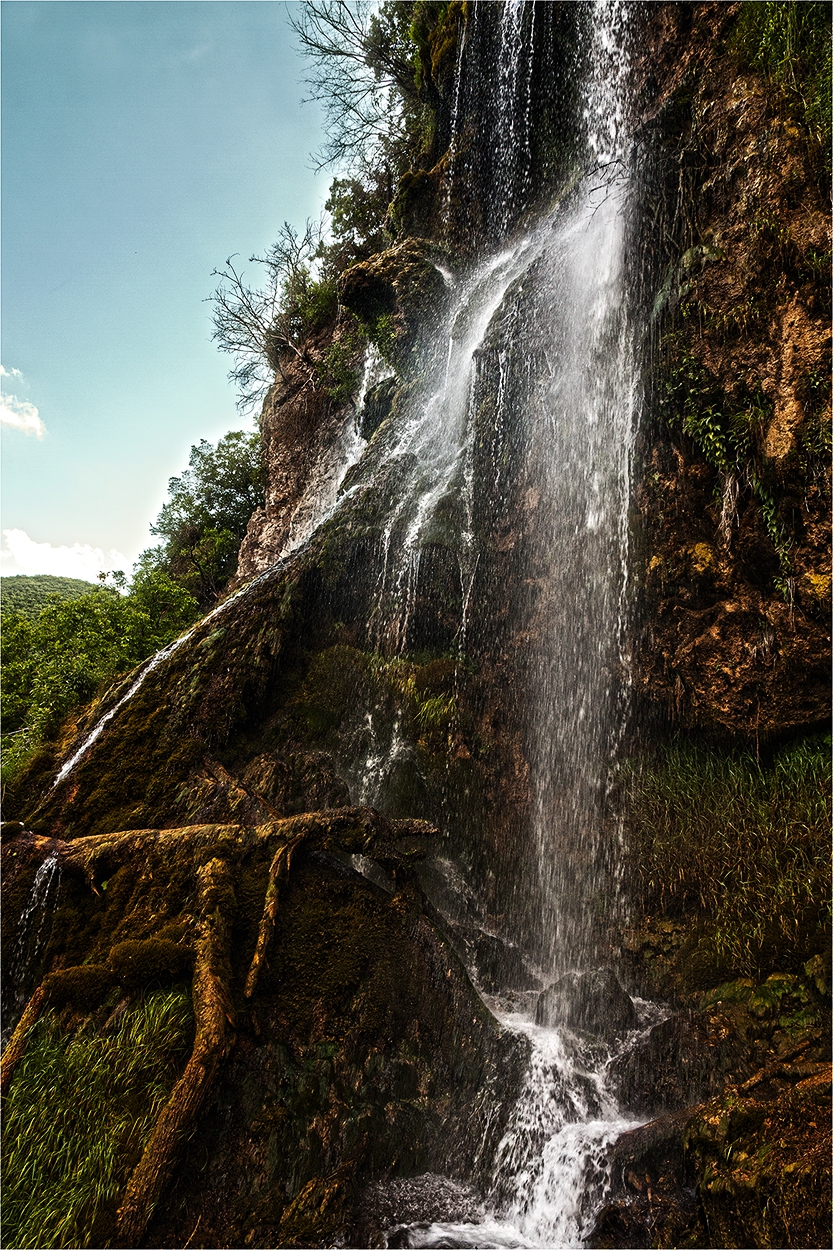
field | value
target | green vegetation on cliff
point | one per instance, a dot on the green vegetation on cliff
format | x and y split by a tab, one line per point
792	43
739	850
80	1110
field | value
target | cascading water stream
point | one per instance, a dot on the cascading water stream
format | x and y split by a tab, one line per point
33	932
579	406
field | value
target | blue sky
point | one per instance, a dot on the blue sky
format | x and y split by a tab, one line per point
143	143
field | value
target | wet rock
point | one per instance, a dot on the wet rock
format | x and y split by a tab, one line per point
377	406
496	964
389	1207
593	1002
652	1199
682	1061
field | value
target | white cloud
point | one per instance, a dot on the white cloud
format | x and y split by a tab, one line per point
19	414
21	554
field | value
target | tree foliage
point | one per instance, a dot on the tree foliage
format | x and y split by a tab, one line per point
73	648
76	647
205	518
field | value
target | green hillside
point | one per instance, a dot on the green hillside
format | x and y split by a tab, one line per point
28	595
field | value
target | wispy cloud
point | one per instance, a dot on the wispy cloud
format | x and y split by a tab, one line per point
21	554
19	414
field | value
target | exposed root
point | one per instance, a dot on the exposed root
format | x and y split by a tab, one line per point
16	1048
278	872
214	1015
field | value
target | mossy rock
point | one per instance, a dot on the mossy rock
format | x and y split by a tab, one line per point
138	963
83	987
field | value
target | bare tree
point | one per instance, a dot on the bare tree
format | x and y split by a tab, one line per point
256	325
361	72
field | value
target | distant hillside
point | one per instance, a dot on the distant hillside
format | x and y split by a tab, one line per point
28	595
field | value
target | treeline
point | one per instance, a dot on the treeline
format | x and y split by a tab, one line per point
64	640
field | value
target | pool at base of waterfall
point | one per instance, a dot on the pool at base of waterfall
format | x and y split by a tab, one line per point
551	1168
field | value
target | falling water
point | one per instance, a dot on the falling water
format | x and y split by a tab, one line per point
568	368
34	928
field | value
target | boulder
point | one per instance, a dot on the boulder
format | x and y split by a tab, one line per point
593	1002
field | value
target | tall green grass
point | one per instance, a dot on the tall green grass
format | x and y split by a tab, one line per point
742	848
79	1112
791	42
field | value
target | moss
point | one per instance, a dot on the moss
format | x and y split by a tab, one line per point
138	963
84	987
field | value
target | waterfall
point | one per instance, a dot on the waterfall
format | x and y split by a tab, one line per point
565	378
34	929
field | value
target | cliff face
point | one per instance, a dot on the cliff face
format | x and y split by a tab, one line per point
213	836
735	495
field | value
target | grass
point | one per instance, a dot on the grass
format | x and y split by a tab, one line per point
81	1107
791	43
742	847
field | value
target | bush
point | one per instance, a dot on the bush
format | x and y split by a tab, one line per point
75	648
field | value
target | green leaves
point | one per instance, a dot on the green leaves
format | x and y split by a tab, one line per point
205	518
75	647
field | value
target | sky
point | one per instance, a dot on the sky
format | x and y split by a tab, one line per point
144	142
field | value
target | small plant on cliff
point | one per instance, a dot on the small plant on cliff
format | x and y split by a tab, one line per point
791	42
79	1111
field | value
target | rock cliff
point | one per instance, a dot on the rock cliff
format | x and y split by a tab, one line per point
210	815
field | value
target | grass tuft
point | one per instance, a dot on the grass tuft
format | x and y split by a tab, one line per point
742	847
79	1112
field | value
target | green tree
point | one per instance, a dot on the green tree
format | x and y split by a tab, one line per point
75	648
205	518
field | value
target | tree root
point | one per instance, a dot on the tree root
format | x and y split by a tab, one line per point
278	872
16	1048
214	1015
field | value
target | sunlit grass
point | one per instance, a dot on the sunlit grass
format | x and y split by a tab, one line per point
743	847
80	1109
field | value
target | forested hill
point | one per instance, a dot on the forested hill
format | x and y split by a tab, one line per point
27	594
